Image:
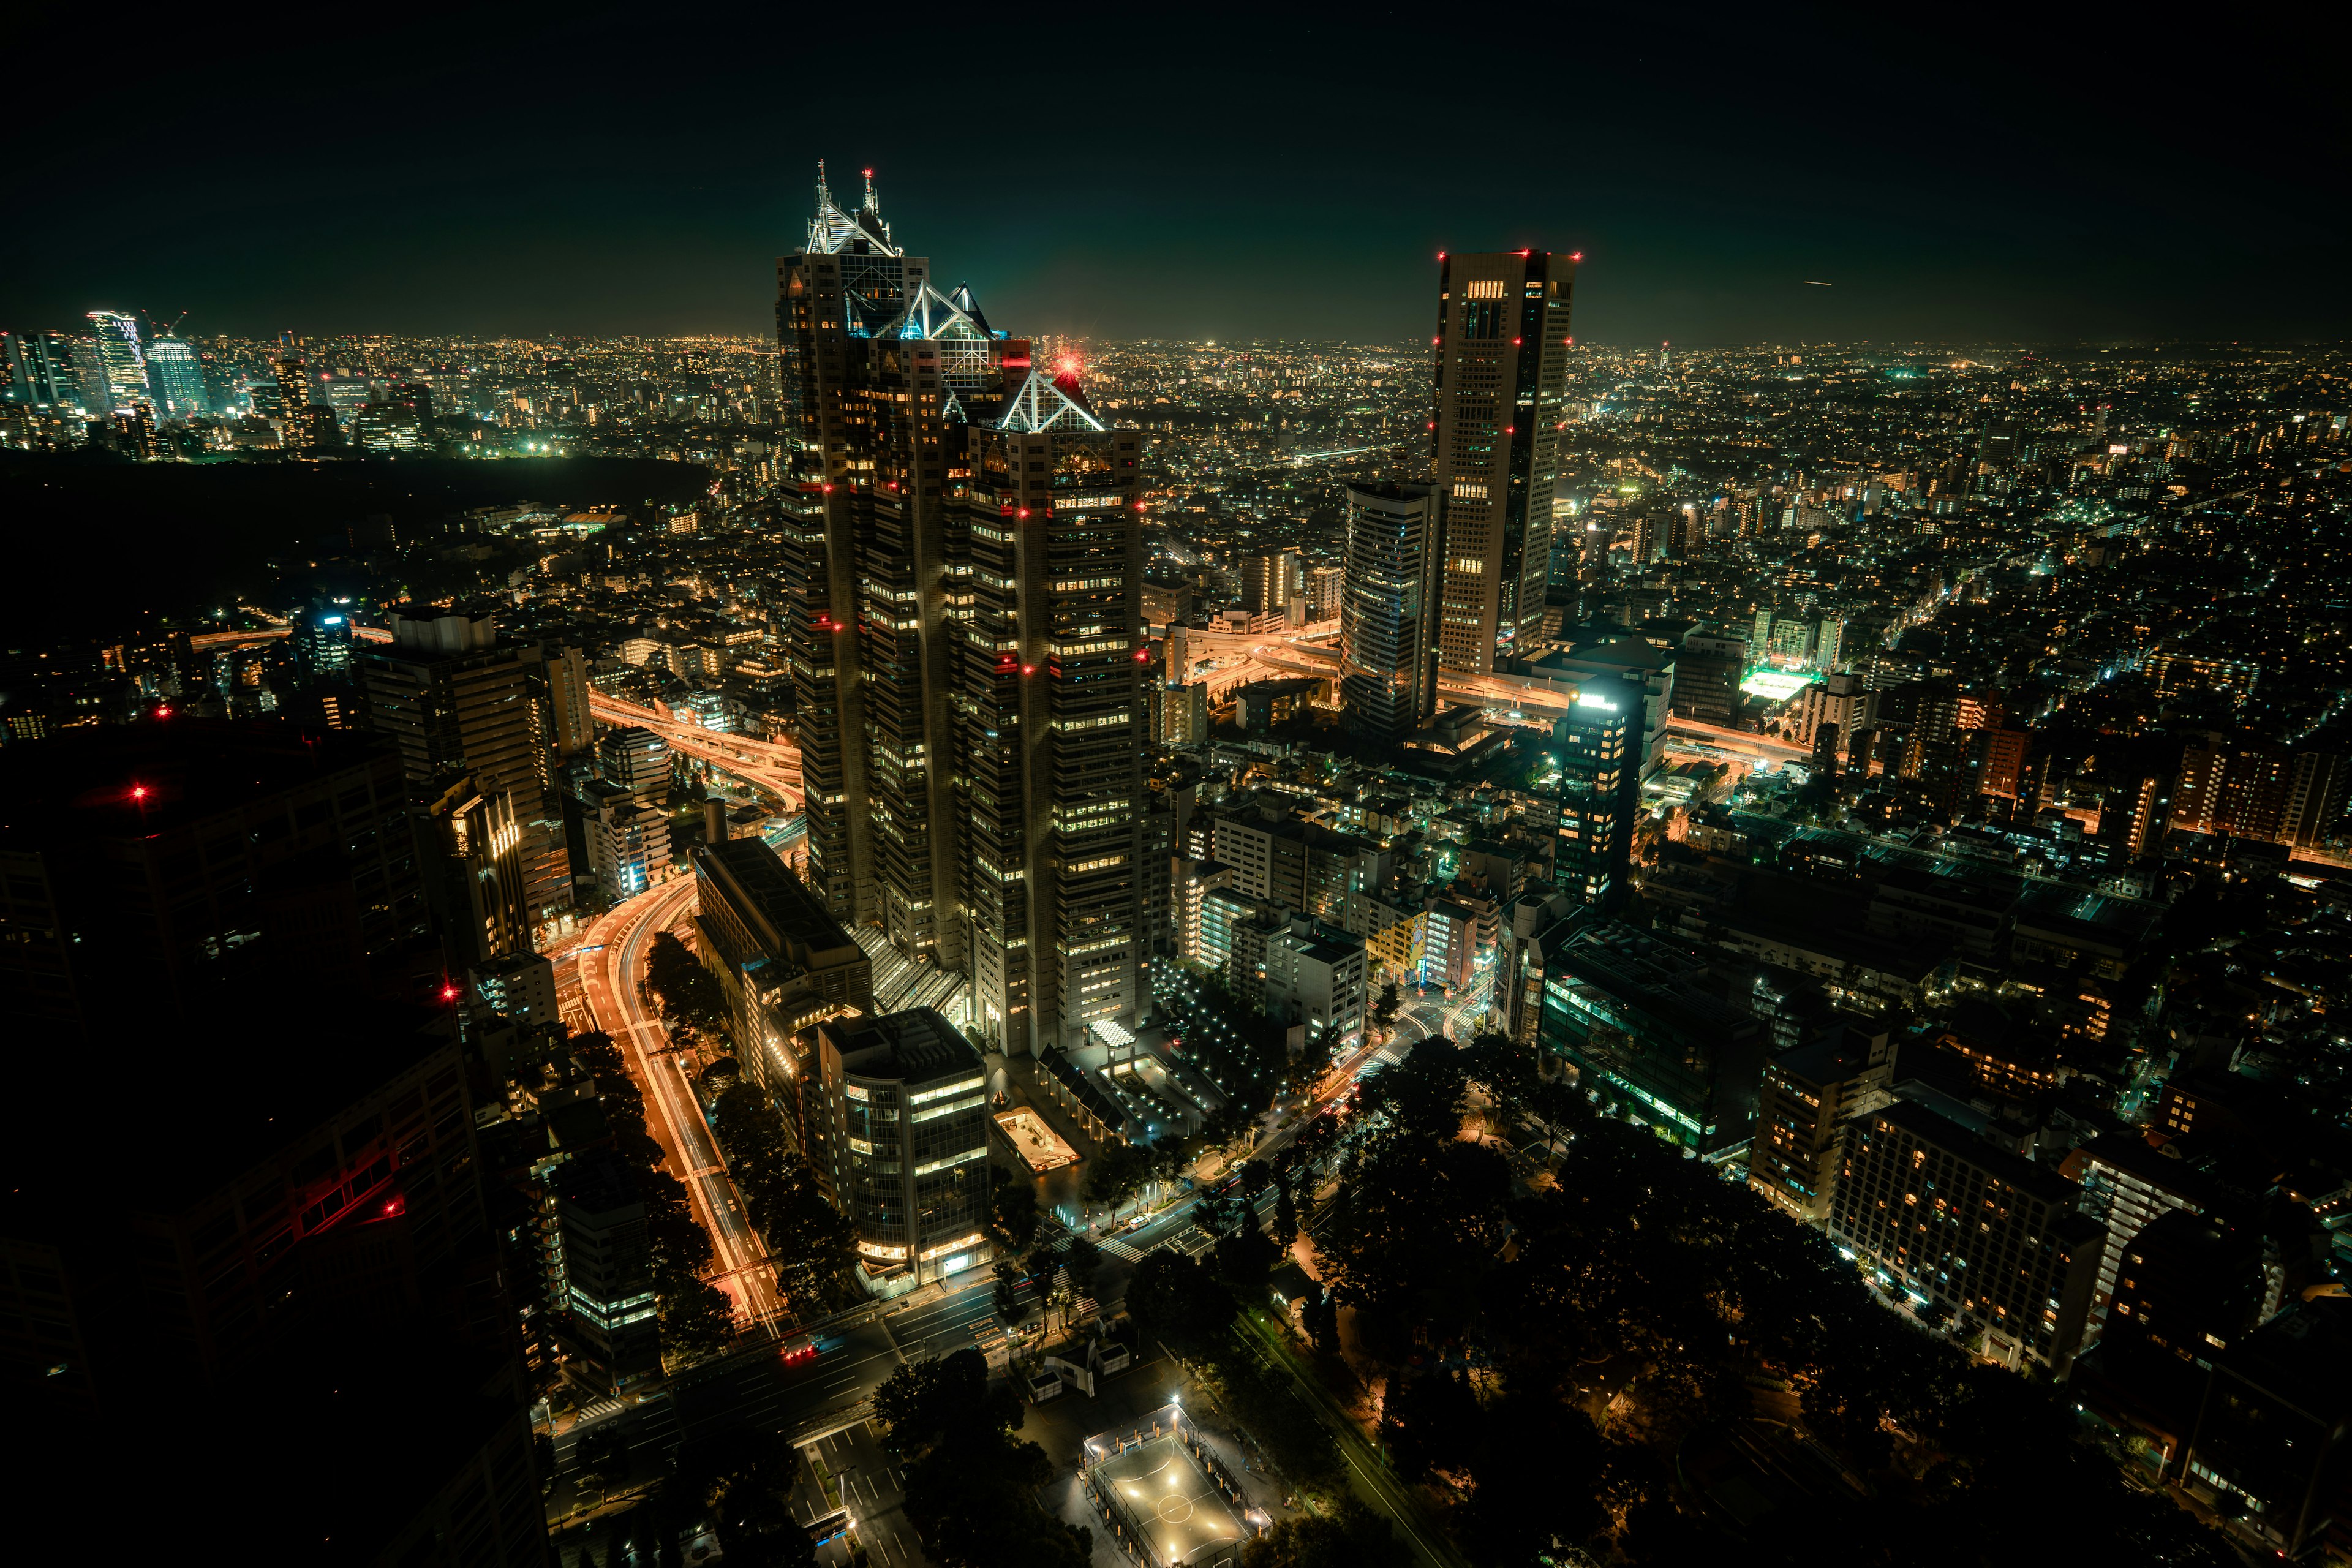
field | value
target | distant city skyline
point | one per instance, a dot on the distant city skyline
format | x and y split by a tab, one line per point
1946	188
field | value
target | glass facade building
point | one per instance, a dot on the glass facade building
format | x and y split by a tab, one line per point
1648	1030
901	1141
1388	682
1599	748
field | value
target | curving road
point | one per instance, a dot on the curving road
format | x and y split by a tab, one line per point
773	766
611	954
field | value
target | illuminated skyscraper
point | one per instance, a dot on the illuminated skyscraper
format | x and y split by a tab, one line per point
874	359
963	623
176	377
293	386
1270	581
458	698
1599	745
121	358
1388	611
1502	354
40	369
1051	744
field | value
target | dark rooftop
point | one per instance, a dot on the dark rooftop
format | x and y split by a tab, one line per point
2012	1170
770	889
914	1047
134	781
166	1121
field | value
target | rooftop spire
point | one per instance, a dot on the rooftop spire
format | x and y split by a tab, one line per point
873	203
824	192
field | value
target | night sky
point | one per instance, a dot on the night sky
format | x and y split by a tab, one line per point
1206	173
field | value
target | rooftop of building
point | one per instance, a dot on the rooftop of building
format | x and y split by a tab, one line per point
758	875
136	781
2302	1358
597	1185
2133	1156
1992	895
1605	651
1664	980
1842	1051
244	1085
2103	917
914	1047
2012	1171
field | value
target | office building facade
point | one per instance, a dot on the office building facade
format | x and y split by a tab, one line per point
122	360
605	1252
1317	978
963	625
477	873
899	1136
1501	349
1707	673
1598	746
1272	580
875	362
1807	1096
456	699
1050	741
1639	1021
627	841
176	377
1388	610
635	761
1971	1230
782	962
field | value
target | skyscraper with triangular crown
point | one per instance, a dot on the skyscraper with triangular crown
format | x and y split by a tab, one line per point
964	630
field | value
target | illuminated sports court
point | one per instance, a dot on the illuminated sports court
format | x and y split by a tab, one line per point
1159	1488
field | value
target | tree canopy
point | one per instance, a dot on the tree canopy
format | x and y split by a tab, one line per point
971	1484
1672	1286
810	1242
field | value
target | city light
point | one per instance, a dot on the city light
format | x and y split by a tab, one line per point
1818	786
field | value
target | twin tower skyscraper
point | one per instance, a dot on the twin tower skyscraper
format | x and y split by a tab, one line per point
963	572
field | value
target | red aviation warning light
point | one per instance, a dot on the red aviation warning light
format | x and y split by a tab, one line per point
138	792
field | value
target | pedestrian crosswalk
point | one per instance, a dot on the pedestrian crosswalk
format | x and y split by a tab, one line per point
598	1409
1122	1251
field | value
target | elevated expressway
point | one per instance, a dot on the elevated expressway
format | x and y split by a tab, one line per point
772	767
1314	651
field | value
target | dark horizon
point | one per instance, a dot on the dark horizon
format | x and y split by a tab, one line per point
1233	175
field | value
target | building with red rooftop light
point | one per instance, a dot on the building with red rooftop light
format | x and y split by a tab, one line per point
963	618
